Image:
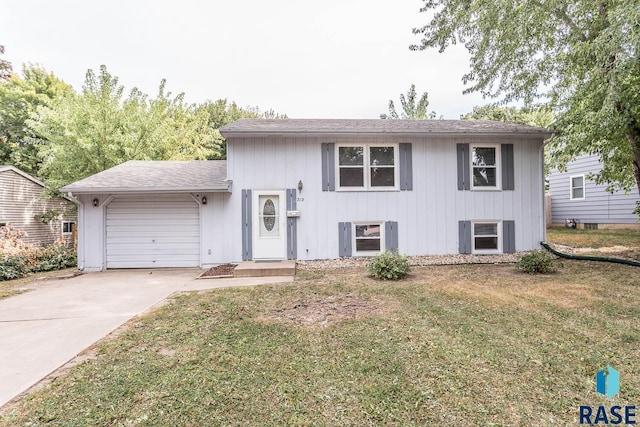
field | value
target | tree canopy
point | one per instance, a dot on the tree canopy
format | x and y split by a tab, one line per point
540	116
20	96
580	57
5	66
412	110
99	128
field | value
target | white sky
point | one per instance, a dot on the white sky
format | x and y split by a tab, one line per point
308	59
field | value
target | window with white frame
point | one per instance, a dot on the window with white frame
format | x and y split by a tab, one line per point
485	171
577	187
67	227
367	167
486	237
368	238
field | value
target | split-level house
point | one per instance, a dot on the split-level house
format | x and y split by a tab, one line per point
321	189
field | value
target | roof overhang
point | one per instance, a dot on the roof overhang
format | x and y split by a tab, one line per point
146	190
334	134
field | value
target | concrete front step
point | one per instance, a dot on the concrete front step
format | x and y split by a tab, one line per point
265	268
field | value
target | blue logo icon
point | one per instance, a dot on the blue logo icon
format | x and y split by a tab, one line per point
608	382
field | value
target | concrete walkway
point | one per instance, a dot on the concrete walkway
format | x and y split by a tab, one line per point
43	329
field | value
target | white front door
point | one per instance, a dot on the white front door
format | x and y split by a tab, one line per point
269	225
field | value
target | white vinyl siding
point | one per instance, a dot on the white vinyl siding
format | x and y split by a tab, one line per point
428	214
162	231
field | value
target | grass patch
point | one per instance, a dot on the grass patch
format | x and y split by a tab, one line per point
577	238
459	345
9	288
609	243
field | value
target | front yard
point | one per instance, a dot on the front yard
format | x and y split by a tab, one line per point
604	243
451	345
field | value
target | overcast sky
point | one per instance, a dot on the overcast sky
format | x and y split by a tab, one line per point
320	59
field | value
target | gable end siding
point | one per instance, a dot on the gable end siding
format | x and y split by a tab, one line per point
21	199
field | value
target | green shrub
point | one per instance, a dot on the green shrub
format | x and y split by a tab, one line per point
536	262
389	266
56	257
13	267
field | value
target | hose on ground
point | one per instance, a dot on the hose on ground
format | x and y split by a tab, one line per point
589	258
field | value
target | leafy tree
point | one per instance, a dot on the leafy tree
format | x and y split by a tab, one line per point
99	128
541	116
581	57
5	66
20	96
410	109
221	112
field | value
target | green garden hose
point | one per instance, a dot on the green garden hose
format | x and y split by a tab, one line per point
589	258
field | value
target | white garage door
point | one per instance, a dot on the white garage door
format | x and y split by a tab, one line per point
162	231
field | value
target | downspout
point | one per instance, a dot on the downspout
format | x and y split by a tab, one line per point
543	232
81	258
543	204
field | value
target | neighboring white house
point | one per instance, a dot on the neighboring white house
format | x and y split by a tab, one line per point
576	197
321	189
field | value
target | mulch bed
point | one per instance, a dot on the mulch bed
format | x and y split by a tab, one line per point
219	270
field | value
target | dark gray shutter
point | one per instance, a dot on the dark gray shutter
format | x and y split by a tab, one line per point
292	225
391	236
464	182
464	237
344	239
508	181
406	167
508	237
246	226
328	166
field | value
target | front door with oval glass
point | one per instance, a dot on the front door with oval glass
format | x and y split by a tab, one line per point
269	225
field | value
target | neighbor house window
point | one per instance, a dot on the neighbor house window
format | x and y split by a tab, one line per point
368	238
484	167
577	187
486	238
367	167
67	227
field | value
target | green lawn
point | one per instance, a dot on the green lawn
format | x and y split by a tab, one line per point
451	345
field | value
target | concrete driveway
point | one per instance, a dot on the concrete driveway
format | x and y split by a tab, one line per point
43	329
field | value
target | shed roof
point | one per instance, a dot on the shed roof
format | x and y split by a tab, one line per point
247	127
136	176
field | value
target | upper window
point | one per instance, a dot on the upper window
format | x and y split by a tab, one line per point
67	227
368	238
484	166
367	167
577	187
486	238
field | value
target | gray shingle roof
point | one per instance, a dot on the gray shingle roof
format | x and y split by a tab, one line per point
376	126
156	176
